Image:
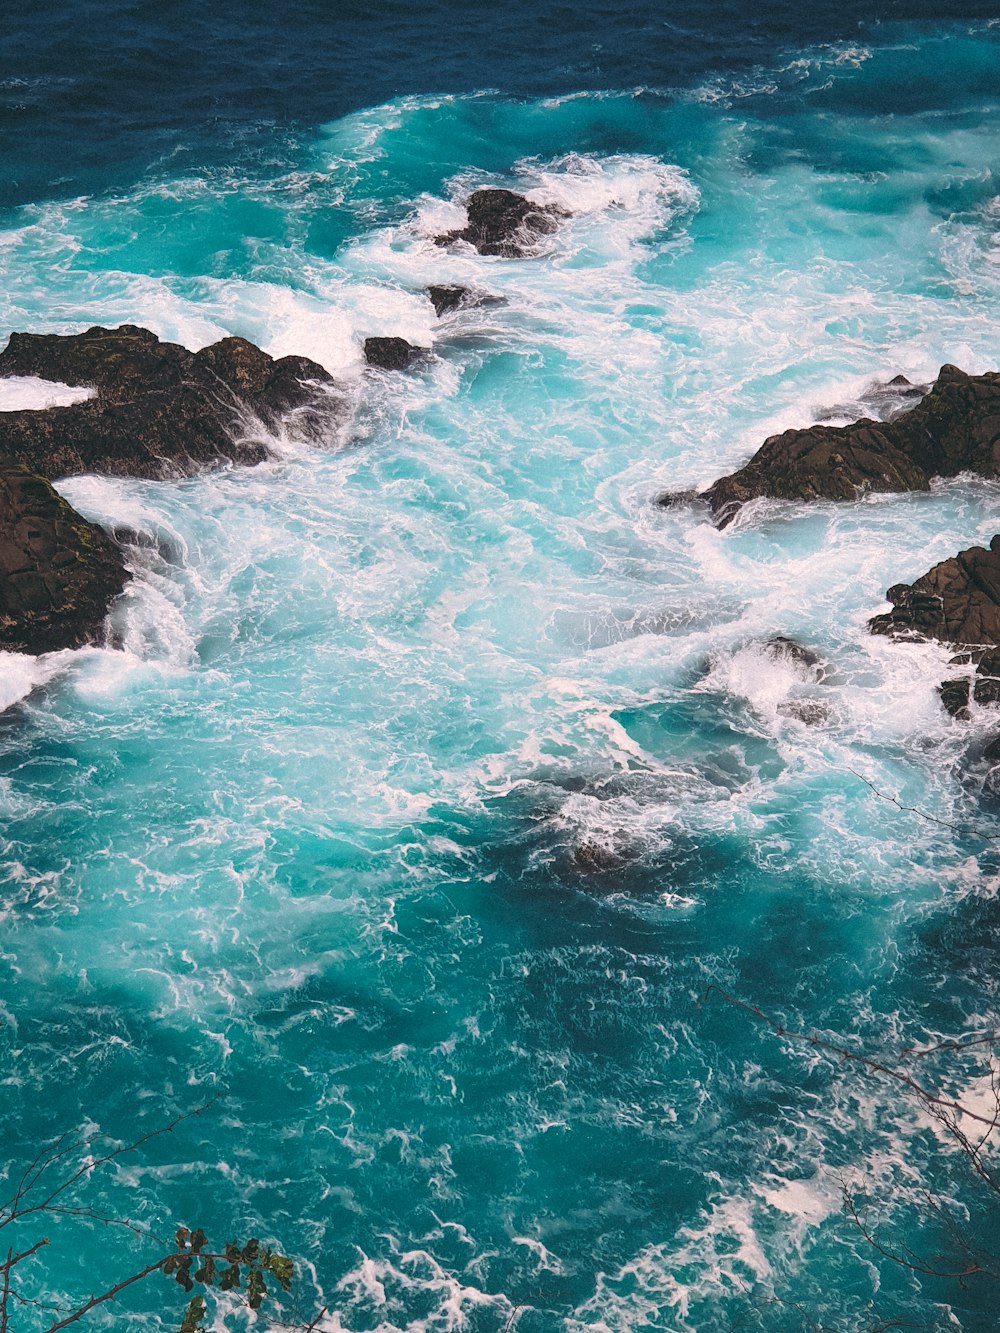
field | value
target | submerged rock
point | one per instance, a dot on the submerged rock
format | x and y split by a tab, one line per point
58	573
957	602
501	222
954	428
159	409
392	353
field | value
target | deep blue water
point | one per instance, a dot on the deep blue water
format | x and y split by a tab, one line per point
441	774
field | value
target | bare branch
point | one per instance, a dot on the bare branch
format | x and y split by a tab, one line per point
926	1095
922	814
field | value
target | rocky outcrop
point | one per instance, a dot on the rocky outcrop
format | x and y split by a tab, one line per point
501	222
392	353
955	428
159	409
58	573
957	602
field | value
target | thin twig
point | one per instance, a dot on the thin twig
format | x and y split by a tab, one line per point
930	1098
914	810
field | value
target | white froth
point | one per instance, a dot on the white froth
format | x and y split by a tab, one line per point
19	393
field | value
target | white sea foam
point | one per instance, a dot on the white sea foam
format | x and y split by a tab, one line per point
21	673
27	392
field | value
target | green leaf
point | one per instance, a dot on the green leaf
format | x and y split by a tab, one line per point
198	1241
233	1252
183	1275
282	1268
206	1273
193	1316
250	1250
182	1237
256	1289
229	1278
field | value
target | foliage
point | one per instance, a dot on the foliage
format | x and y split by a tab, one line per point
47	1189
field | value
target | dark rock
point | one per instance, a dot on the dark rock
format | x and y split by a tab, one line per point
446	299
954	428
677	499
956	602
955	696
58	573
392	353
504	223
780	646
160	410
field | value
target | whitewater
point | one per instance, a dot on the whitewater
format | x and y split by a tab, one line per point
438	774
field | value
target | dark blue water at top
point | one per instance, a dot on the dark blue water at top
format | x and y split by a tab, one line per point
98	91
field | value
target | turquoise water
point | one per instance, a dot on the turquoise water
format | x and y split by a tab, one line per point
320	839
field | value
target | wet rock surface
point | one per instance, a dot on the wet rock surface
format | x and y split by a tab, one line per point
58	573
160	410
956	602
954	428
502	222
393	353
446	299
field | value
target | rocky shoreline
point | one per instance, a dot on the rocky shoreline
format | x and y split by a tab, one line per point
158	410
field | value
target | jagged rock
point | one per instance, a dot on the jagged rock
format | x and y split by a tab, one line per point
446	299
956	602
160	410
954	428
504	223
392	353
58	573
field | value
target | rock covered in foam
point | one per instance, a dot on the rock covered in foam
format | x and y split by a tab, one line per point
58	573
502	222
954	428
957	602
159	409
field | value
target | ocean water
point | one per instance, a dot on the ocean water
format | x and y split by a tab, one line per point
440	774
